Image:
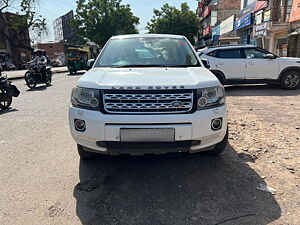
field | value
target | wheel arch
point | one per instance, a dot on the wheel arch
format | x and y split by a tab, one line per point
220	75
290	68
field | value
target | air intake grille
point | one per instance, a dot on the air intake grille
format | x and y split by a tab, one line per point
150	102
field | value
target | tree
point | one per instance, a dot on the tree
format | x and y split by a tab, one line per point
170	20
98	20
28	20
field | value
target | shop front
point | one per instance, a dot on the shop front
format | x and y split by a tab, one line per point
294	35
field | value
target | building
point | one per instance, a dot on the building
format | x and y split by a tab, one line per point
245	22
211	14
19	52
294	34
63	30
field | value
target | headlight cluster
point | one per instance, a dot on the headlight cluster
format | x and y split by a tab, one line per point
85	98
210	97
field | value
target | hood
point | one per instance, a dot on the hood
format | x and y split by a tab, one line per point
148	78
292	59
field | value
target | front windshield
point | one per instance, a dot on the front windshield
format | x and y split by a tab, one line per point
72	54
147	51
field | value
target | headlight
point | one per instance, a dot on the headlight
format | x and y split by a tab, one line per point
85	98
210	97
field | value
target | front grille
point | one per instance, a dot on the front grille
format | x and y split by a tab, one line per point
145	102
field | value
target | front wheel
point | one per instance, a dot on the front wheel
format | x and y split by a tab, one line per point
5	99
48	78
30	80
290	80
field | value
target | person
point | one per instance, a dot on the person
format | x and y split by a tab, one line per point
44	53
40	60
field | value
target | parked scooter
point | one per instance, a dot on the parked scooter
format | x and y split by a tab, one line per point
7	91
35	75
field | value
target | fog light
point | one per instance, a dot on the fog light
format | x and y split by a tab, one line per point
216	124
79	125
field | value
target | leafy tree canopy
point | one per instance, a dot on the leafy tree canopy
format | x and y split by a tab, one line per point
28	20
170	20
98	20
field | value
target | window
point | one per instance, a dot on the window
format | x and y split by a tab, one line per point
213	53
229	54
253	53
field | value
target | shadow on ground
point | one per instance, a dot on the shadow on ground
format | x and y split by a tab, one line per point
39	88
259	90
3	111
76	74
172	189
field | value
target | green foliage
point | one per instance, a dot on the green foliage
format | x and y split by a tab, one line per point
170	20
19	24
98	20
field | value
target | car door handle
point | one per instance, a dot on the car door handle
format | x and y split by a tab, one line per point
220	64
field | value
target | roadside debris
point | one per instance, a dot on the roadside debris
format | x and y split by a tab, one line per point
263	187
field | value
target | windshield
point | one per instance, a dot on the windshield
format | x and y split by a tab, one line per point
72	54
149	51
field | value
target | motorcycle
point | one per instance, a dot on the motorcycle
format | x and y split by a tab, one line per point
35	75
7	91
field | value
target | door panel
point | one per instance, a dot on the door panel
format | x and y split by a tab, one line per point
231	63
258	67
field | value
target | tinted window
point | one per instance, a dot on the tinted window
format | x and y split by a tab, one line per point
147	51
253	53
213	53
229	54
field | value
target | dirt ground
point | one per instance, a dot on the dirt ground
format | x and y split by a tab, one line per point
256	181
265	133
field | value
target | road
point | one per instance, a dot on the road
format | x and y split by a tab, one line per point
44	182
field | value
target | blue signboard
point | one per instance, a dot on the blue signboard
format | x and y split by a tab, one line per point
215	33
243	22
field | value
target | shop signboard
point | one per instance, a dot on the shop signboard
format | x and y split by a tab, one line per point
206	30
261	29
206	11
267	16
295	13
215	33
227	25
258	17
243	22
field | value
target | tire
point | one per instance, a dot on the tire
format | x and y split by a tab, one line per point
84	154
30	80
48	79
220	147
290	80
7	103
220	77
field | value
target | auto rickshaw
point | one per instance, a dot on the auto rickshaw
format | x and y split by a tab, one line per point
77	59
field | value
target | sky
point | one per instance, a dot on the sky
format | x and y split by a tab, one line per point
141	8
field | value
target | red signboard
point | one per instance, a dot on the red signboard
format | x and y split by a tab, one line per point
206	11
206	30
295	13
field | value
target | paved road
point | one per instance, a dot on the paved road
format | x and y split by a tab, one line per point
44	182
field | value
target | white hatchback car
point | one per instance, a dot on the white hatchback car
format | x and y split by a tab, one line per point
250	64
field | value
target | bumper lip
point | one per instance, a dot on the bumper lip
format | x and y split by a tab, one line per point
200	123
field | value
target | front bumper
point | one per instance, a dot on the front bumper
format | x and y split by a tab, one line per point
192	128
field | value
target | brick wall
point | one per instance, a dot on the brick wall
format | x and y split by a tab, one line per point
52	49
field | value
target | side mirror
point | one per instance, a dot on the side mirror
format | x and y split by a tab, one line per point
205	63
270	56
90	63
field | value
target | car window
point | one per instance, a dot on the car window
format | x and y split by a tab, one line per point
213	53
147	51
253	53
229	54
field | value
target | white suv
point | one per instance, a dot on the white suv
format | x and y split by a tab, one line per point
250	64
148	94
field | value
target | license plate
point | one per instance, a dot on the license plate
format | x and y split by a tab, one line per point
147	135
